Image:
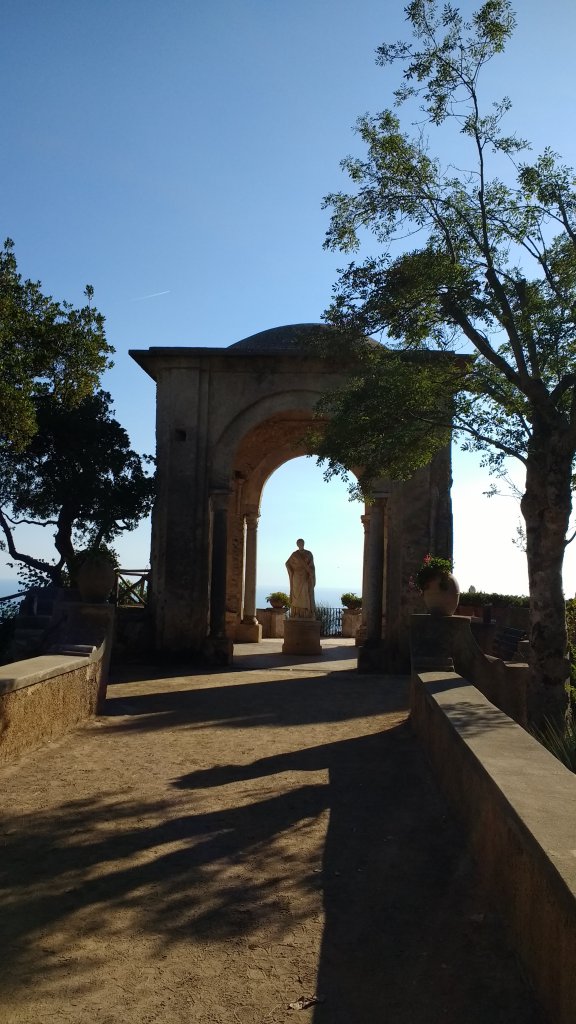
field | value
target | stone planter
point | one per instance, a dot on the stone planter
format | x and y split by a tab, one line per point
351	622
441	595
95	580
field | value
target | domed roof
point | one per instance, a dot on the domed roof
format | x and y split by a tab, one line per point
279	339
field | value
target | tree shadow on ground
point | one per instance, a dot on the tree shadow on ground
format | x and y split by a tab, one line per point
298	700
403	939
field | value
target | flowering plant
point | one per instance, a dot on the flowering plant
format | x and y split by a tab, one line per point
278	599
432	568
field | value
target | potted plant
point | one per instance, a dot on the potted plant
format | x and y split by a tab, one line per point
278	599
351	601
438	586
95	574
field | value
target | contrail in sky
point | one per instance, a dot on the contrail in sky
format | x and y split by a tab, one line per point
153	295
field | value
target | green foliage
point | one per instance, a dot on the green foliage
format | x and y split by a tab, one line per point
279	597
480	597
102	551
47	348
77	474
350	600
431	569
413	396
495	268
560	740
476	256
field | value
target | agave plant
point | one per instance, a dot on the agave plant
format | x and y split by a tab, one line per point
560	740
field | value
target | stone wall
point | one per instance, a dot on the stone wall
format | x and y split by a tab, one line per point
43	698
516	800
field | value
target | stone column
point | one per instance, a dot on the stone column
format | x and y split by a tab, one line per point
371	652
235	574
180	556
249	630
219	646
361	632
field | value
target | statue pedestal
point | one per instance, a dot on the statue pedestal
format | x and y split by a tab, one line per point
301	636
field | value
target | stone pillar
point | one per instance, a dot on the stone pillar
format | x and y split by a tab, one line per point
249	630
361	632
372	598
180	556
236	546
371	653
219	646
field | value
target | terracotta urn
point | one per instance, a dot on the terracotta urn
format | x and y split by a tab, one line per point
441	594
95	579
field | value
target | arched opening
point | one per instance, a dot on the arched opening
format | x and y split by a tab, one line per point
227	419
298	502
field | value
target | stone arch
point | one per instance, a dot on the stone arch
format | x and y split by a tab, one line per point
282	406
225	419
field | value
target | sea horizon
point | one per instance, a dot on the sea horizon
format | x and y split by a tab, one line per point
324	595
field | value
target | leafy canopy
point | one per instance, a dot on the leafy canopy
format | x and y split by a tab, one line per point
79	474
493	271
47	348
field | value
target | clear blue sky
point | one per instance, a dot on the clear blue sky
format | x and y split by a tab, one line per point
174	154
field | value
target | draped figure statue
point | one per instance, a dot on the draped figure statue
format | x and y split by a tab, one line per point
302	576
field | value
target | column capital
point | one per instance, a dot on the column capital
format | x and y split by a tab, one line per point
252	514
221	499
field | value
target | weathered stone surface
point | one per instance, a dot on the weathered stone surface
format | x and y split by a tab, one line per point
301	636
227	418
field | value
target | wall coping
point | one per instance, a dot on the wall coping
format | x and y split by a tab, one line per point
517	802
20	674
537	788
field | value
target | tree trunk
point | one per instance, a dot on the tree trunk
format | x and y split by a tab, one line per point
546	507
63	539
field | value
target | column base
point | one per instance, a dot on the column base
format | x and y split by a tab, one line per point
219	650
301	636
248	633
372	657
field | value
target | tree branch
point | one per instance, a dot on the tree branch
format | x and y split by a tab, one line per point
51	570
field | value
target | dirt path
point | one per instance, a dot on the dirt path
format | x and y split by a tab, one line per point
217	846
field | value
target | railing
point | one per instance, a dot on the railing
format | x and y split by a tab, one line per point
132	588
330	620
12	597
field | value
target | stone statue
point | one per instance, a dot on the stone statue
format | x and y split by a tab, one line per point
302	575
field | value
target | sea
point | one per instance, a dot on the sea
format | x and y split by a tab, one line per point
329	596
8	587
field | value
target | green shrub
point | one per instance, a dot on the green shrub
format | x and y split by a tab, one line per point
480	597
278	597
560	740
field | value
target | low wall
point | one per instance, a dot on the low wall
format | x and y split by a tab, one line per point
43	698
272	621
517	802
516	616
447	642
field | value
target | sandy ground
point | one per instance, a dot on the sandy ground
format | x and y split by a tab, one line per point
220	845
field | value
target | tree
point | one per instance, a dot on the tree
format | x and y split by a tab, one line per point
46	348
78	474
493	272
